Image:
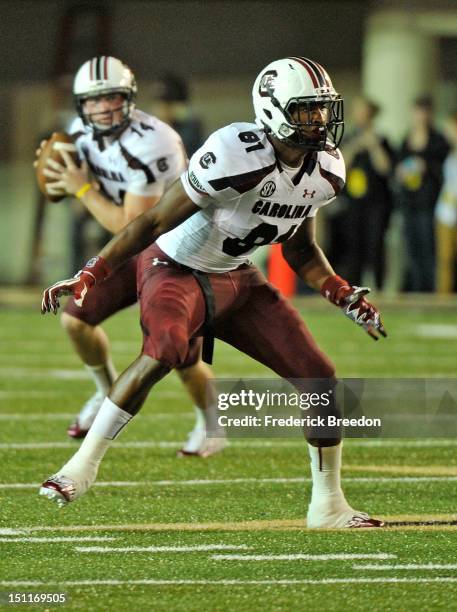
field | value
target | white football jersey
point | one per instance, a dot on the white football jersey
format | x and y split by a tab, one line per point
246	197
146	158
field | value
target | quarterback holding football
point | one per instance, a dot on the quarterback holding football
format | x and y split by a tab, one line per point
249	185
134	158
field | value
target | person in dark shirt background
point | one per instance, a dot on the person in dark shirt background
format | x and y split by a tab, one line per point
366	203
419	177
173	106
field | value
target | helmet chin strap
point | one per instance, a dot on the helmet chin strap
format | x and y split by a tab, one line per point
308	143
110	131
114	129
288	142
306	146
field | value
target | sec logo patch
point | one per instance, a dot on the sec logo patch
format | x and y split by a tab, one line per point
268	189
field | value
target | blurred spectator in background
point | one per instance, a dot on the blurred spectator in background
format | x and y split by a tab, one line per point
419	176
174	108
61	117
446	216
366	203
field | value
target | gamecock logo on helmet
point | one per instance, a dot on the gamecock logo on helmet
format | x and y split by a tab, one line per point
267	83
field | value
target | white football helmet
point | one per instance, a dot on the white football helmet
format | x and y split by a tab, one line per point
297	86
100	76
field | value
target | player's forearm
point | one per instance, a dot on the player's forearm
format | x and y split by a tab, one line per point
105	211
130	241
173	208
310	264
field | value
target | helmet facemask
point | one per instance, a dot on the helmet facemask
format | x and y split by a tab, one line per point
300	131
100	129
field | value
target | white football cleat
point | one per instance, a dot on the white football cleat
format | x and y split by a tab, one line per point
337	514
363	520
63	489
60	489
211	446
199	445
86	417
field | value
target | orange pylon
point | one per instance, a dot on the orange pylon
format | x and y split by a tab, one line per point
280	274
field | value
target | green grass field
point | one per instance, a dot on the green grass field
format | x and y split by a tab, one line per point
227	532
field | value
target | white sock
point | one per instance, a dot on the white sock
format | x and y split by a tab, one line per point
326	473
328	507
103	375
108	423
207	420
200	417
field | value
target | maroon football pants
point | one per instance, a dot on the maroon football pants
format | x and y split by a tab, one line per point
251	315
115	293
119	291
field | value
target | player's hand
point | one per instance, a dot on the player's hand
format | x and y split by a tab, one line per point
67	176
359	310
77	286
94	272
38	152
351	300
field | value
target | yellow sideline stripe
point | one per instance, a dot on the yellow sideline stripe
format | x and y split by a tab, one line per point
256	525
406	470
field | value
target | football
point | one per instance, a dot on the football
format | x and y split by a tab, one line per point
57	142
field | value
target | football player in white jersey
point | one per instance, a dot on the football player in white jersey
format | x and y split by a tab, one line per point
247	186
134	158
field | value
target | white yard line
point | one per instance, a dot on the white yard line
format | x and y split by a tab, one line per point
72	374
36	416
436	330
159	549
20	394
231	481
44	373
61	416
32	395
408	566
37	346
73	445
303	557
236	443
145	443
43	540
421	443
155	582
115	483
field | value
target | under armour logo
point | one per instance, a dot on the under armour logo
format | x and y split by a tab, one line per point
309	194
156	262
